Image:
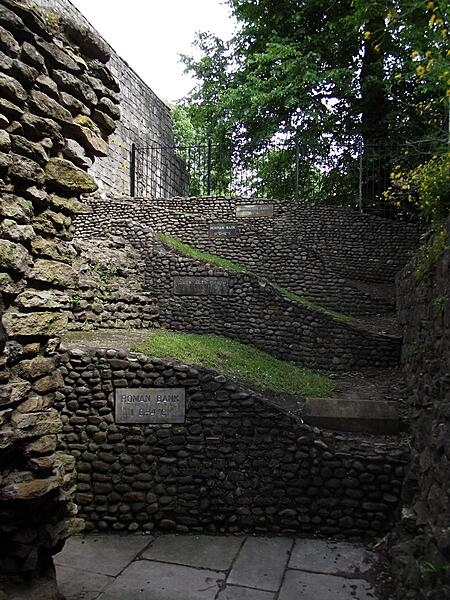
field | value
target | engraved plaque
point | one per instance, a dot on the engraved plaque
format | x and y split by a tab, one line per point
254	210
223	230
149	405
200	286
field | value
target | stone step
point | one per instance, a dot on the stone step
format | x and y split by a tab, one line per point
368	416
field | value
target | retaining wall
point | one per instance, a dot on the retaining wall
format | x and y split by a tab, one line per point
333	256
421	540
236	464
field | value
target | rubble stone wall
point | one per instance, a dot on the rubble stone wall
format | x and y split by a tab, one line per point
421	549
46	140
145	121
236	464
334	256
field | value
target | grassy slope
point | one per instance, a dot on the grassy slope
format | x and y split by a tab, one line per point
232	266
242	363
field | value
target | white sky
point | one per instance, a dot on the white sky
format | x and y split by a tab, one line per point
150	35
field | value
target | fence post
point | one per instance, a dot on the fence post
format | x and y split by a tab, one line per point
208	185
360	175
133	170
297	165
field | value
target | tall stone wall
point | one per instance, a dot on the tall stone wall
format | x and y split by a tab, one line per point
235	463
421	549
145	121
333	256
45	139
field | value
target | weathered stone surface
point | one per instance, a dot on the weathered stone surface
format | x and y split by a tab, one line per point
16	208
69	206
6	62
93	45
10	109
10	19
10	230
89	139
48	384
32	56
44	445
48	107
37	367
107	105
8	285
28	490
44	299
106	123
33	324
25	169
38	127
8	43
5	161
11	89
4	121
24	73
48	86
75	106
56	273
14	257
57	56
5	141
21	145
14	393
63	174
61	251
75	152
75	86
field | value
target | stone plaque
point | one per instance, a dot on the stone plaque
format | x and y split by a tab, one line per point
201	286
223	230
254	210
149	405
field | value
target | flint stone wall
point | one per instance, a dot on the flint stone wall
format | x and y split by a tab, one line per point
334	256
44	146
251	311
421	541
144	120
237	464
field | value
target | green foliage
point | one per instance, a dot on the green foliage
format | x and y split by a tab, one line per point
243	363
331	73
430	253
106	273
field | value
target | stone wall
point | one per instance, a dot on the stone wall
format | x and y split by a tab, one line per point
333	256
421	549
236	464
145	121
247	308
45	137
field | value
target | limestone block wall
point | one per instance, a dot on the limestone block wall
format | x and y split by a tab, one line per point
46	140
421	542
334	256
236	464
145	121
250	310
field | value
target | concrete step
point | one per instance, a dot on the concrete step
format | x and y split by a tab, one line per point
341	414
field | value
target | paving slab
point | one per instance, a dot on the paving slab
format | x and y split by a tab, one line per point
322	556
76	584
104	554
148	580
236	592
299	585
261	563
208	552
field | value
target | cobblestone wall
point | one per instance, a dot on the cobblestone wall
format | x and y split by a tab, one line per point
145	120
422	540
246	308
334	256
46	141
236	464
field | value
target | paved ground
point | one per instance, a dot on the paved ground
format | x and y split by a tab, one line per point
172	567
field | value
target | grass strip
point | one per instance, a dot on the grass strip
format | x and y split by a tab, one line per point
232	266
242	363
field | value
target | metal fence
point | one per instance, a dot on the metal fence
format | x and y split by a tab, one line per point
351	173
